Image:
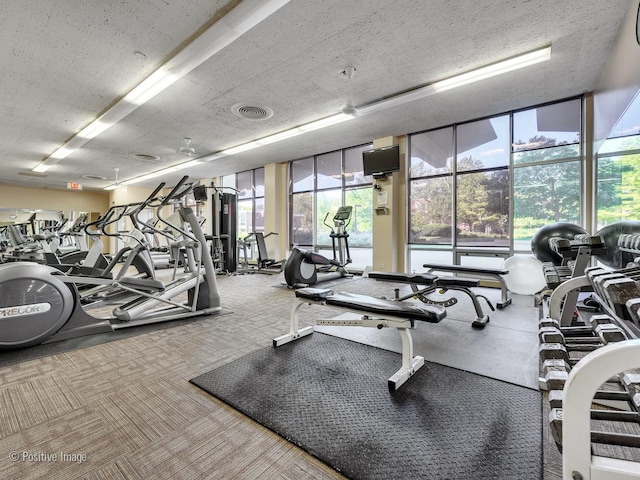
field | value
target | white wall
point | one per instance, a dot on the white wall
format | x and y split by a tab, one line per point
619	82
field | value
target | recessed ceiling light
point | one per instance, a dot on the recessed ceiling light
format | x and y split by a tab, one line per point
93	177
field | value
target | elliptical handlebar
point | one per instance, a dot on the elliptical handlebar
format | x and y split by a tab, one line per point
324	221
174	192
102	221
145	203
341	219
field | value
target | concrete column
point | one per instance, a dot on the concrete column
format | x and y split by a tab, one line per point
276	213
389	213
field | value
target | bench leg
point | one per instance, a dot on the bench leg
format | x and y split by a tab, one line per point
410	364
504	293
294	331
481	319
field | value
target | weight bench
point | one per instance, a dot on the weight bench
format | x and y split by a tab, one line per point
494	273
375	312
432	283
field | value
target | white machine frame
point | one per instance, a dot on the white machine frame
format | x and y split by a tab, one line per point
585	378
410	363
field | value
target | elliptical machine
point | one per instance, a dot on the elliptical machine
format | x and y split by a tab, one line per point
41	304
305	267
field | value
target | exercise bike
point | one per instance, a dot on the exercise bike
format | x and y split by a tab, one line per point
41	304
305	267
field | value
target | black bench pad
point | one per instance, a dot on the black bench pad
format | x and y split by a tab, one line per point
424	279
365	303
416	278
463	268
457	282
315	294
408	310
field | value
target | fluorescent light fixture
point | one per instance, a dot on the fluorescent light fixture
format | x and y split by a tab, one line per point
61	153
240	148
280	136
232	26
149	176
223	32
326	122
142	178
41	167
493	70
277	137
211	157
476	75
180	166
482	73
94	129
150	87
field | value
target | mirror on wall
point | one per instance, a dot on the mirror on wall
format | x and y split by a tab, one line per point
36	221
29	222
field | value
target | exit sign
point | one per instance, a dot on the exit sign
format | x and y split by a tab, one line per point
74	186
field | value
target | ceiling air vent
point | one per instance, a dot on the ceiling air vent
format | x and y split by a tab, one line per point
252	112
93	177
33	174
147	157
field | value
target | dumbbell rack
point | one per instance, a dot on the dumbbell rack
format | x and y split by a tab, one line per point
618	291
587	368
612	401
576	255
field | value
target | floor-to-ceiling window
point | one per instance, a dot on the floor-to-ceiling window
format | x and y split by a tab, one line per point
512	174
618	171
319	185
249	189
431	197
302	176
547	168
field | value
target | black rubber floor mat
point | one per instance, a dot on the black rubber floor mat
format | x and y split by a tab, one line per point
330	397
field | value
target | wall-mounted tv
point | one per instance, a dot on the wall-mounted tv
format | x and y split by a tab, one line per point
200	193
380	161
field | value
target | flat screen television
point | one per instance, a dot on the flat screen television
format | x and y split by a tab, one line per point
200	193
380	161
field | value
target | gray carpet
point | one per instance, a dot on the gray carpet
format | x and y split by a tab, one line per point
13	357
329	396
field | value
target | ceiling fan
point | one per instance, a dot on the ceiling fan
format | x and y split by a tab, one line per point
187	151
349	108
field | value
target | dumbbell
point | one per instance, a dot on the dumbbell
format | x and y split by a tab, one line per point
602	332
556	372
631	383
556	351
572	331
617	291
608	438
586	343
556	397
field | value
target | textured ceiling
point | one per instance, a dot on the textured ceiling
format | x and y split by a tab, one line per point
62	63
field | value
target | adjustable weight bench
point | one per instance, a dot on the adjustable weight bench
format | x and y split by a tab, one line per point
493	273
432	283
375	312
